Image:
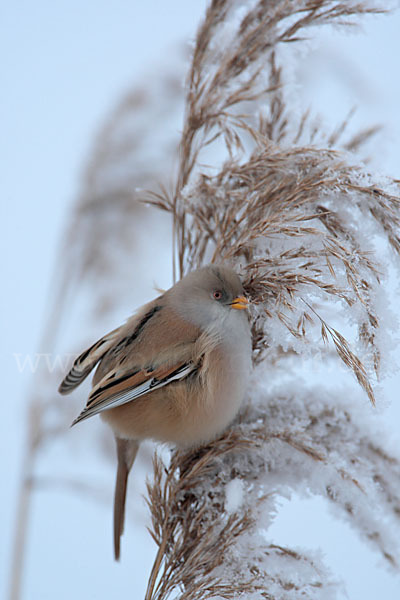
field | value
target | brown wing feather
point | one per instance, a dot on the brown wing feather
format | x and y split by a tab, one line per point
112	392
116	341
147	340
111	385
153	345
87	361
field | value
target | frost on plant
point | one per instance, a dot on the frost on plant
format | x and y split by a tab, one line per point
302	222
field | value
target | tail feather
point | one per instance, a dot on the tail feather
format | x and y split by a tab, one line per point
126	454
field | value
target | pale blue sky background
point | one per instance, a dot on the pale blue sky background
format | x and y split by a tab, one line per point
62	66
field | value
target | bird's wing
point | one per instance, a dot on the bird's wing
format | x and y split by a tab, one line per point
87	361
115	341
112	390
154	348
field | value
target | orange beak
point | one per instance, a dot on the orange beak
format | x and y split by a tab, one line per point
240	303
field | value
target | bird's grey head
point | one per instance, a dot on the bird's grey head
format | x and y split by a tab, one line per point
209	294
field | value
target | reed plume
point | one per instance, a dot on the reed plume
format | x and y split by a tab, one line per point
300	221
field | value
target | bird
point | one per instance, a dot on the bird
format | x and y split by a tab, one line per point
175	372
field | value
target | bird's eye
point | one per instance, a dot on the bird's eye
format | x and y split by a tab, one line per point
217	295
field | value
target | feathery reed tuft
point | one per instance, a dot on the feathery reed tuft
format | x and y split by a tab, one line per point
301	223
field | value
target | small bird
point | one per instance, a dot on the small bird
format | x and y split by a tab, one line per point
175	372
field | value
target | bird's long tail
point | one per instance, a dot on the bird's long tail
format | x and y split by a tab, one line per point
126	454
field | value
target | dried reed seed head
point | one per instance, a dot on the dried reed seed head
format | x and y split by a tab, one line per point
287	216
